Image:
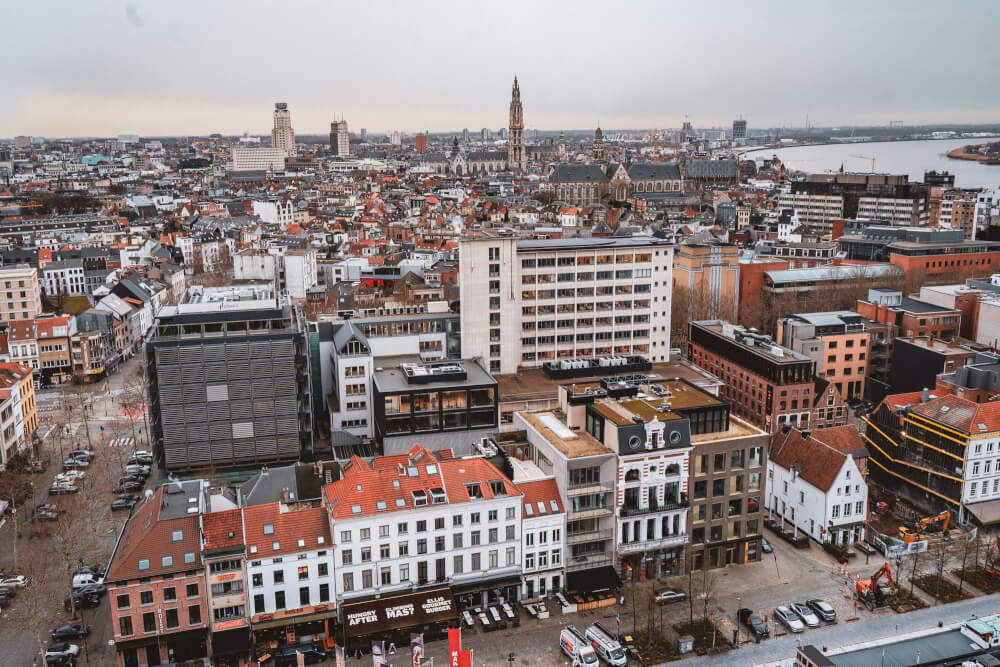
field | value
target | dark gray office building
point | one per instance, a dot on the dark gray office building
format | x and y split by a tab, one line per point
228	377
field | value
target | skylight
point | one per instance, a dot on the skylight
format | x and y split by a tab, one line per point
541	508
167	561
400	502
177	536
554	505
143	563
269	529
380	505
528	510
276	546
395	483
412	471
982	427
355	509
432	469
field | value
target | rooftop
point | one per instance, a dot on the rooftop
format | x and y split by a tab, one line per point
571	444
737	429
427	376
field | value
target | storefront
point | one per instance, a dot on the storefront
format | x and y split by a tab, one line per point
487	593
651	565
316	623
392	619
138	652
231	643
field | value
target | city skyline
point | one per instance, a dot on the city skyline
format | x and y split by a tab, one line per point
407	69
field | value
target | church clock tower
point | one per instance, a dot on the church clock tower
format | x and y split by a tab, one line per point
515	131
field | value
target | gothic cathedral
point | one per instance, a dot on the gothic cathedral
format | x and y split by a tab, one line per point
516	158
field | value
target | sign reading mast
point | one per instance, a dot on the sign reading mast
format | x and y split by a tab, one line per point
401	611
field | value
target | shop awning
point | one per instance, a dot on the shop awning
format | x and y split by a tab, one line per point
987	513
486	584
596	580
294	620
400	611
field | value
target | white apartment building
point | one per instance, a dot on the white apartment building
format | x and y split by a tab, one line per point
815	210
987	211
289	560
815	483
299	271
254	264
275	212
351	365
255	158
900	211
20	294
64	278
563	299
409	522
982	470
543	538
282	134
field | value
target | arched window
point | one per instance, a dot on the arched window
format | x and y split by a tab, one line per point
632	475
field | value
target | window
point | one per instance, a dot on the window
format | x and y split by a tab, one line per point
123	602
345	536
493	535
493	515
421	526
404	572
304	596
835	513
172	620
421	546
404	548
366	554
146	597
149	622
279	576
169	594
125	626
494	560
510	513
324	592
511	555
456	540
476	566
192	590
303	572
279	600
194	614
474	517
366	534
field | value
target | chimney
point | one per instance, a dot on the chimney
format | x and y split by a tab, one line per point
284	495
930	342
960	392
926	395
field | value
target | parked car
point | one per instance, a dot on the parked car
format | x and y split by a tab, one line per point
128	484
83	579
16	580
71	631
668	596
807	615
88	453
82	601
45	515
62	648
140	460
8	591
125	501
63	487
94	589
789	619
76	463
749	619
765	546
60	661
822	609
288	656
70	476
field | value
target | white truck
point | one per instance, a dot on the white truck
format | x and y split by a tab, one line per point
606	645
575	645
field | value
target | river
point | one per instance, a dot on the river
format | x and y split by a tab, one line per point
892	157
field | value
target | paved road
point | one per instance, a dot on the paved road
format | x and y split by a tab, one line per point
843	634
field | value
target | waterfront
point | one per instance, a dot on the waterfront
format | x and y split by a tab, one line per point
894	157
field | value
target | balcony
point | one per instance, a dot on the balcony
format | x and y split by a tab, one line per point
590	513
590	536
667	542
575	563
625	512
590	487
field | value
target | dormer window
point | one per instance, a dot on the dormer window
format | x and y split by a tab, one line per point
269	529
432	469
437	496
498	487
474	490
419	498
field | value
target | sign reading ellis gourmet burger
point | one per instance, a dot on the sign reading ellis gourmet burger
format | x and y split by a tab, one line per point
401	611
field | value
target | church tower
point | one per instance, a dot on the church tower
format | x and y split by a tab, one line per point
598	144
515	131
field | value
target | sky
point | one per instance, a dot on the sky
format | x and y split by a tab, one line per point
106	67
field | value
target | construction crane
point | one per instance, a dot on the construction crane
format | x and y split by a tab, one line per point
911	532
867	157
868	591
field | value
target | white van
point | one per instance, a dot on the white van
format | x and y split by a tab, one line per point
86	579
575	645
606	646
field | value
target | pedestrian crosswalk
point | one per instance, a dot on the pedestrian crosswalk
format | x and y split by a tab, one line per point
122	443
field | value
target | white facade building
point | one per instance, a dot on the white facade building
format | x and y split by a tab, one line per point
562	299
402	522
543	538
255	158
299	271
282	134
815	484
987	211
275	212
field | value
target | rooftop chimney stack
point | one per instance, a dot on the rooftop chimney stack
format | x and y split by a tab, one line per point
926	396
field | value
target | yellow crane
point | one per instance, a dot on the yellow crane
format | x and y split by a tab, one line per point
867	157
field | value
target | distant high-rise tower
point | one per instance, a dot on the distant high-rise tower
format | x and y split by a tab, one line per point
485	134
465	136
598	144
282	135
340	140
739	130
364	134
422	143
515	134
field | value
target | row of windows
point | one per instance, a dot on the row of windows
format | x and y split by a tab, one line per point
543	559
170	617
584	260
422	545
736	459
716	534
124	600
385	573
421	526
278	575
280	602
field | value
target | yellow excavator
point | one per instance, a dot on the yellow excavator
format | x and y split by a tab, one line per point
938	523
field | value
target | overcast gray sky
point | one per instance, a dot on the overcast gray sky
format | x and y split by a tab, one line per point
104	67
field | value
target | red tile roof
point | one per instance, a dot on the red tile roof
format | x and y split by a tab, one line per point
962	414
292	528
388	483
223	529
540	493
45	326
820	462
148	537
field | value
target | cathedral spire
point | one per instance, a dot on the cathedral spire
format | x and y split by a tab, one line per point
516	158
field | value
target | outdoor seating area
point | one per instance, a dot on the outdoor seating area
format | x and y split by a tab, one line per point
493	617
